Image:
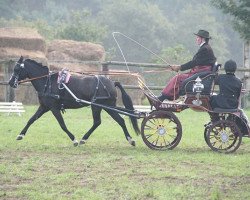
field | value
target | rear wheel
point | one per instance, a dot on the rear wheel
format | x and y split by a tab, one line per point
161	130
223	136
205	134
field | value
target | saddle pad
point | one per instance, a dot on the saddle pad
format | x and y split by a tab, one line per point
61	73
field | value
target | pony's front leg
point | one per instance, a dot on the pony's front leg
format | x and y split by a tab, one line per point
60	120
40	111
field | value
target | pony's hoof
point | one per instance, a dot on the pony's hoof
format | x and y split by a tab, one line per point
19	137
82	142
75	143
132	142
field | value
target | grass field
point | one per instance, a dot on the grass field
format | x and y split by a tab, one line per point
45	165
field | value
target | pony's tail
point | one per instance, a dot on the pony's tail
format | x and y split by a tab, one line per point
128	105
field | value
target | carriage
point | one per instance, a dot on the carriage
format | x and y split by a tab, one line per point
160	128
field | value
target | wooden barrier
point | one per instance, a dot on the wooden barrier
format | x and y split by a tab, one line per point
12	107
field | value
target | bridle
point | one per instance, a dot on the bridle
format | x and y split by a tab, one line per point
16	77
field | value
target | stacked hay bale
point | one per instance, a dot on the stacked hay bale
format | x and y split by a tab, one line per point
72	54
27	42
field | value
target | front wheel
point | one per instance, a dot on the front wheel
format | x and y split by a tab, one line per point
161	130
224	136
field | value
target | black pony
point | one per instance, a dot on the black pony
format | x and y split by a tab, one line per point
53	97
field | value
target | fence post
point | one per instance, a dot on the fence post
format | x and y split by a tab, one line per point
9	91
105	67
246	63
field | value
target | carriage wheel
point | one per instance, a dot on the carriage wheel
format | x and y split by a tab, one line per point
223	136
205	134
207	127
161	130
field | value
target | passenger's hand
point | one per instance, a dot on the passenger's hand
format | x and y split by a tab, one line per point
175	68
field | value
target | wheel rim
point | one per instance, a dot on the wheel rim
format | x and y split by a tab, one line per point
224	136
161	130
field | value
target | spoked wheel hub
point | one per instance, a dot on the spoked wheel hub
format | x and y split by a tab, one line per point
224	137
161	130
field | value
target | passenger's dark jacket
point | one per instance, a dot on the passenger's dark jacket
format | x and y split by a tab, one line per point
230	88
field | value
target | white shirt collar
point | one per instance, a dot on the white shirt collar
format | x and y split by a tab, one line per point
202	43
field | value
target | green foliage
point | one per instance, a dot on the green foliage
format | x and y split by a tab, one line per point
42	26
80	27
144	23
178	54
160	25
240	10
5	9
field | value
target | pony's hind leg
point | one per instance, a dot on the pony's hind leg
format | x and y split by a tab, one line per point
60	120
40	111
121	122
96	112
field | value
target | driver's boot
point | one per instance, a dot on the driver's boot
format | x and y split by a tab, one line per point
162	97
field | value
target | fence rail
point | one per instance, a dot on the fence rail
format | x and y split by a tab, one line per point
9	64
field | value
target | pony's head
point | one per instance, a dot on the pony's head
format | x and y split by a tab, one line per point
19	73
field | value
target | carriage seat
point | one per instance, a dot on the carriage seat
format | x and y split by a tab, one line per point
207	80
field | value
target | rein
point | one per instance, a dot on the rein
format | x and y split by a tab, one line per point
111	73
93	73
90	73
35	78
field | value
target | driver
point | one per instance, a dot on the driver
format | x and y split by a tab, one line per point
202	61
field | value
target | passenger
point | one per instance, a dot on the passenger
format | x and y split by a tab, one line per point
202	61
229	88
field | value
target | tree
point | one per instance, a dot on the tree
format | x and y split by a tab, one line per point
143	22
81	27
240	10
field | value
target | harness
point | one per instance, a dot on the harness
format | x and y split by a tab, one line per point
95	97
47	89
63	78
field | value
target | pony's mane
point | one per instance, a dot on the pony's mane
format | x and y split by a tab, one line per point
36	63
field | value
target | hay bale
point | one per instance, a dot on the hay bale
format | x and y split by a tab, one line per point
73	51
136	95
23	38
14	53
27	42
